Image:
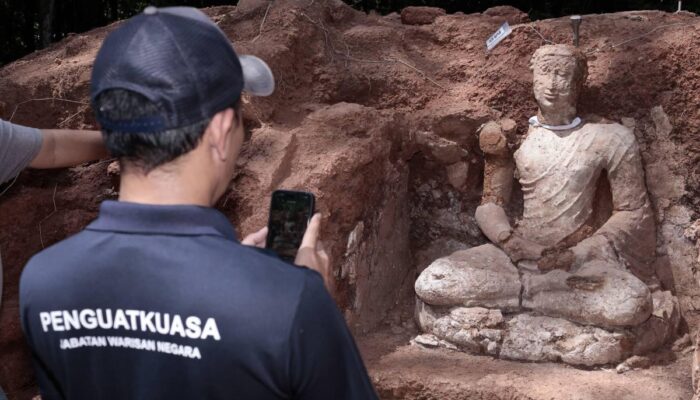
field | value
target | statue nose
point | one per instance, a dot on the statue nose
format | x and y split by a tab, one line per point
559	82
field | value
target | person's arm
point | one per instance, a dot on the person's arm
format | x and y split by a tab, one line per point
65	148
324	362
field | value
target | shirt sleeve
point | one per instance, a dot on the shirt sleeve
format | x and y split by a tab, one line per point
324	360
18	147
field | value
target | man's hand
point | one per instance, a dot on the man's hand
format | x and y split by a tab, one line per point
519	248
312	254
256	239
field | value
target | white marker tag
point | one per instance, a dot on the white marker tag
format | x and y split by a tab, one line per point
500	34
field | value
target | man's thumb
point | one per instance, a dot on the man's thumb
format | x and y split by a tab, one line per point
311	234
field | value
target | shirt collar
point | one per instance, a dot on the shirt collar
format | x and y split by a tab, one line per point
120	216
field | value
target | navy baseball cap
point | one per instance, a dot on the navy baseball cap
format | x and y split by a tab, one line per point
180	60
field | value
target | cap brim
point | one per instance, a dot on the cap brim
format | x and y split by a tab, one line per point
257	76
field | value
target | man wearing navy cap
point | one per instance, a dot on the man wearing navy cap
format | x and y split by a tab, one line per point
156	298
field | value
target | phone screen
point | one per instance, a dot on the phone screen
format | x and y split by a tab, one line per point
290	212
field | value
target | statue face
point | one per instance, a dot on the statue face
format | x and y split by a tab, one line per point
555	85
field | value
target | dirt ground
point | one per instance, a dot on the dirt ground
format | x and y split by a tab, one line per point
378	117
408	372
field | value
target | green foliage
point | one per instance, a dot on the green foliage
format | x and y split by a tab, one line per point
28	25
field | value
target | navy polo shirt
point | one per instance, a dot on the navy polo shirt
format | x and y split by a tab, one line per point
162	302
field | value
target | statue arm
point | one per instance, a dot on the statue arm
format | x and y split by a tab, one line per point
491	217
630	233
499	167
498	180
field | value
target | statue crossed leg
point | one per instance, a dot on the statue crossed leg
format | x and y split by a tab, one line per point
598	293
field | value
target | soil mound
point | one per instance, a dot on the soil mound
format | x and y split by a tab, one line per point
379	119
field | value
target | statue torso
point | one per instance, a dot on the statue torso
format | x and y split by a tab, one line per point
558	172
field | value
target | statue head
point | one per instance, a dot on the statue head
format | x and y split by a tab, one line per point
559	72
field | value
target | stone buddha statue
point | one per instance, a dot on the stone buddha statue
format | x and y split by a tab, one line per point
565	281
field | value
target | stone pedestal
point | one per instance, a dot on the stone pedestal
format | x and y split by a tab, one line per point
530	337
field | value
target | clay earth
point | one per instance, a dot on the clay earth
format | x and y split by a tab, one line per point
380	119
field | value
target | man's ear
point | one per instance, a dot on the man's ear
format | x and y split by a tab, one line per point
220	132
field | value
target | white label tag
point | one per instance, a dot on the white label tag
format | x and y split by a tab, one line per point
500	34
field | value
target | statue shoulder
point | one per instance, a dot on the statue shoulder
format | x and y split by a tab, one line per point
614	133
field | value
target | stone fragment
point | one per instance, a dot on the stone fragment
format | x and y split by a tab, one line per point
425	316
661	121
661	326
113	169
679	215
682	343
634	362
457	174
508	14
431	341
693	231
114	173
693	234
443	150
477	330
420	15
482	276
426	340
539	338
474	329
354	238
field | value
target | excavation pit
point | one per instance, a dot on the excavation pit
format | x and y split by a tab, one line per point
379	119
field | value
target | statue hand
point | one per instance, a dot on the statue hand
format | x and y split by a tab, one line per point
556	258
596	247
518	248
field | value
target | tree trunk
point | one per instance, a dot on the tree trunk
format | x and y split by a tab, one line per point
113	10
47	11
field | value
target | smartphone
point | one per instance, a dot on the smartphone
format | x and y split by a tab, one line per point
290	212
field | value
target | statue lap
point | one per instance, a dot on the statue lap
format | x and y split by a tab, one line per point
598	293
478	301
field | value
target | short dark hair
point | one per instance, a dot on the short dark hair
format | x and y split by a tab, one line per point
145	150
